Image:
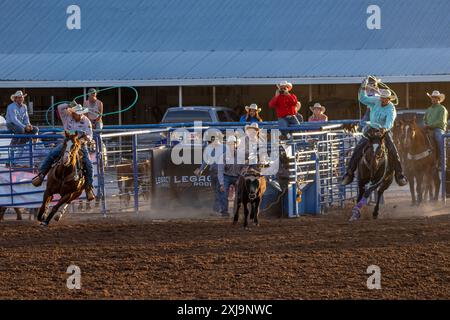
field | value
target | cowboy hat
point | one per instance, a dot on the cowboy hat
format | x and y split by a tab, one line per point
232	139
318	105
285	84
79	109
253	106
17	94
436	93
385	94
253	126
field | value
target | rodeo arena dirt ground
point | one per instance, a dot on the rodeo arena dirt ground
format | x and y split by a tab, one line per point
162	256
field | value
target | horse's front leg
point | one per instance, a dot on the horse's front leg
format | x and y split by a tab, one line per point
419	187
361	201
411	189
437	184
64	199
45	202
381	190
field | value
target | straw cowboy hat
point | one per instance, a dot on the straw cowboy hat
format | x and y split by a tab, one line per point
285	84
436	93
253	126
318	105
386	94
18	94
253	106
79	109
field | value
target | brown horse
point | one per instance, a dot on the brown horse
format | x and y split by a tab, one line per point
64	178
375	168
420	161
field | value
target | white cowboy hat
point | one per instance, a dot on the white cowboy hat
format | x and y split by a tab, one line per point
253	106
318	105
17	94
232	139
385	93
436	93
285	84
79	109
253	126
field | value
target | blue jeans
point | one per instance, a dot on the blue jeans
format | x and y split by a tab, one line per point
19	141
439	137
54	154
227	182
287	121
218	202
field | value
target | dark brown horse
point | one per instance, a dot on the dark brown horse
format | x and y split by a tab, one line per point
250	190
375	168
64	178
420	161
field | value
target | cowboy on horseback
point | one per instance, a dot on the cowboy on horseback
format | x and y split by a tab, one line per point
435	119
73	118
382	117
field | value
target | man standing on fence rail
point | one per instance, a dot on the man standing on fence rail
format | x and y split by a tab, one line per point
285	105
435	119
18	121
73	119
382	116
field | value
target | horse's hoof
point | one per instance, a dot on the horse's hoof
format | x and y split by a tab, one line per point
58	216
375	215
235	222
44	224
247	229
19	218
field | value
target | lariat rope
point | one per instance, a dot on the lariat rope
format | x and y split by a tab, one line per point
129	107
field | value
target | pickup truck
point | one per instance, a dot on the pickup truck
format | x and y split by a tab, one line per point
199	113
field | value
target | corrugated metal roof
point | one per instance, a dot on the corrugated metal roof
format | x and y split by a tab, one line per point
223	41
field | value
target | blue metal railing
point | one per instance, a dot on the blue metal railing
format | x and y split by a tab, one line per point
322	179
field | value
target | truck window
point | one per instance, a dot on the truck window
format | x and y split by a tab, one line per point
222	116
178	116
233	117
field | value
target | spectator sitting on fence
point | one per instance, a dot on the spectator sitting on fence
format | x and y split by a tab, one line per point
95	107
73	118
318	113
298	114
252	114
18	121
285	105
436	118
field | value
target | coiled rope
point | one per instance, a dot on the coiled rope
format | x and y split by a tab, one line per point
129	107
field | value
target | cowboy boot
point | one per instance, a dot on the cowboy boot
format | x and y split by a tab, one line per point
89	193
37	180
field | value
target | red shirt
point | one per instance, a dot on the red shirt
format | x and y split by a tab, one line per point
284	105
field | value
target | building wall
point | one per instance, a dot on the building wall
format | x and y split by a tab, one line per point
340	99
